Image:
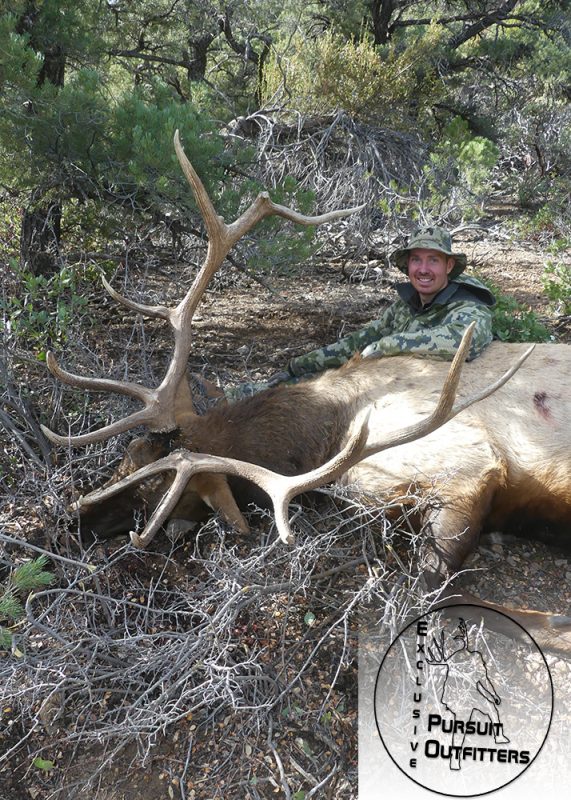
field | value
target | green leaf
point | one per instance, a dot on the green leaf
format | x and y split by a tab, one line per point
32	575
44	764
10	607
309	618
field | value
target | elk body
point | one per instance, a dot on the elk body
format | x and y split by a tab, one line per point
503	463
380	425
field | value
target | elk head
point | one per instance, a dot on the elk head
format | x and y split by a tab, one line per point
169	406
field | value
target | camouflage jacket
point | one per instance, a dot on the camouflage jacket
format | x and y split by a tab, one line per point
434	330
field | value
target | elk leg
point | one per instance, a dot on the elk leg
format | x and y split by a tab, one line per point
445	552
453	533
215	492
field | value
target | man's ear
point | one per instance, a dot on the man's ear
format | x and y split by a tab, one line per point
449	265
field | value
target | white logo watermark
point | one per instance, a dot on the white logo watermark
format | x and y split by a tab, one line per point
460	709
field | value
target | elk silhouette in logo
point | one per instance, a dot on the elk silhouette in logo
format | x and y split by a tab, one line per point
466	690
499	454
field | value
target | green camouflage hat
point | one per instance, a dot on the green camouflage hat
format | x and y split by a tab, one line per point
433	238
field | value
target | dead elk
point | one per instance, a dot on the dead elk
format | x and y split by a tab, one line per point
376	424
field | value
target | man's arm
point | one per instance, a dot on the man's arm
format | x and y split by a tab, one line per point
333	355
442	340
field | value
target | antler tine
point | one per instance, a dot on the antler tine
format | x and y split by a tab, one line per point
127	388
445	409
213	222
114	429
147	311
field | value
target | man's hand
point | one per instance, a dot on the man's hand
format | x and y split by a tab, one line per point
370	351
278	377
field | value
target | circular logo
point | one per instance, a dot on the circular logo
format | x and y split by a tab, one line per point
463	700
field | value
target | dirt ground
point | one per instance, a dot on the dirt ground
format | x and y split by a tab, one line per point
246	332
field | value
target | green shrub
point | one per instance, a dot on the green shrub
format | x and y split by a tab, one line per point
10	221
41	314
330	72
512	321
557	285
551	221
471	157
24	579
324	74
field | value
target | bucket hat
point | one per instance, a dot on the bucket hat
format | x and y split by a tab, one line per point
431	238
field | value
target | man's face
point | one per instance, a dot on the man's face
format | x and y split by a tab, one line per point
428	272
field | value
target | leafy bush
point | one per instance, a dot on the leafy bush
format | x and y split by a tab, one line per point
141	161
324	74
557	285
10	222
453	183
512	321
551	222
552	226
331	72
42	312
459	170
475	155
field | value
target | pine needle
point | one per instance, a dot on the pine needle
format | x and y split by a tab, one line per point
31	575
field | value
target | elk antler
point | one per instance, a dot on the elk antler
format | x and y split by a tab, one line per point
166	406
281	488
185	464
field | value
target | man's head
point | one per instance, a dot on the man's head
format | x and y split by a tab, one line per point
429	261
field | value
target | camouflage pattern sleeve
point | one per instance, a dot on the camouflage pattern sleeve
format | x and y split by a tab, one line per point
436	334
440	340
333	355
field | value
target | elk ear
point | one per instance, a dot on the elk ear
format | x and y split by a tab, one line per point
139	453
215	492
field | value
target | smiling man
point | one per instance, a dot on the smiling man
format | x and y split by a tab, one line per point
434	308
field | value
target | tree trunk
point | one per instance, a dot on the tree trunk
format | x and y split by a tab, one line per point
381	13
39	238
41	221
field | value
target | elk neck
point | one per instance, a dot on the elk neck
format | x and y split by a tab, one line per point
288	429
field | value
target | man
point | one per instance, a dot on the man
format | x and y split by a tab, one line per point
434	308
